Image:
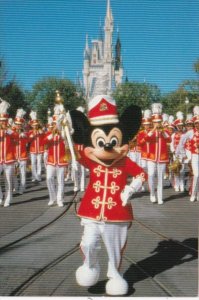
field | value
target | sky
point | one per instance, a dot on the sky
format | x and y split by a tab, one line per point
40	38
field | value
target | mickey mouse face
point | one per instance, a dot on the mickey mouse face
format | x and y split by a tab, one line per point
106	148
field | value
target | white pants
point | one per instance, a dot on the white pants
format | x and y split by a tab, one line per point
160	168
56	191
195	168
135	156
36	161
8	174
114	236
79	177
179	180
22	175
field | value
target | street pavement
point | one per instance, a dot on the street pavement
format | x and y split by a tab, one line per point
39	247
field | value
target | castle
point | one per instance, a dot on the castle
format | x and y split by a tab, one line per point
99	59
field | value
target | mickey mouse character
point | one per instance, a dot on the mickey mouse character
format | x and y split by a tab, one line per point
104	210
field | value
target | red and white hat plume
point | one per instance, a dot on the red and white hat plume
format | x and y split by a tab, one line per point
196	114
156	112
19	119
179	120
33	116
165	120
189	119
4	105
146	120
171	121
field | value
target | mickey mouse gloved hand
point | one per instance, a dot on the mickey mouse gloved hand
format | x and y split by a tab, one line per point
126	194
129	190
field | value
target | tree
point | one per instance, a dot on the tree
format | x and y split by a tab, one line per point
14	94
141	94
3	72
42	96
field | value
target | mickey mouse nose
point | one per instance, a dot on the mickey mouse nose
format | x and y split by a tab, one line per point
108	146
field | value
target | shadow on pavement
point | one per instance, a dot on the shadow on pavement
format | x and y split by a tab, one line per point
166	255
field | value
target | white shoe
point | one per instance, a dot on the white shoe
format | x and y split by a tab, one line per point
182	188
143	189
177	189
160	202
6	204
1	202
51	203
60	204
75	189
192	199
153	199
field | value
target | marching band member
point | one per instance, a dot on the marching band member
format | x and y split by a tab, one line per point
58	158
189	126
144	146
7	155
158	153
21	152
36	136
193	136
175	138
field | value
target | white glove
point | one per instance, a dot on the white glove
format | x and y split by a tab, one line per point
9	131
126	194
50	137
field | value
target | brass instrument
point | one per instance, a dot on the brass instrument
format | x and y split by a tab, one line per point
175	166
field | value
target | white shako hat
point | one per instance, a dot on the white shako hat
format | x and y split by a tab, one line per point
156	112
19	119
189	119
102	110
196	114
179	120
4	105
33	116
165	120
146	120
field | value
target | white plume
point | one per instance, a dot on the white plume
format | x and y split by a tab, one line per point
58	109
165	117
171	119
156	108
189	117
179	115
20	113
147	114
4	105
33	115
196	110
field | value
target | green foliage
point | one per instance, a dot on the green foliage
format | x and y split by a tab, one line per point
141	94
13	93
42	96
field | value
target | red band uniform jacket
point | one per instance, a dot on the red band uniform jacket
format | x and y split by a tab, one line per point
57	152
101	201
36	139
7	147
21	143
158	150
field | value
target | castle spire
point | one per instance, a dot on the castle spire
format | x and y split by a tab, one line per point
86	50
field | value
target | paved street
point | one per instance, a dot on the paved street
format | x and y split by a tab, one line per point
39	247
